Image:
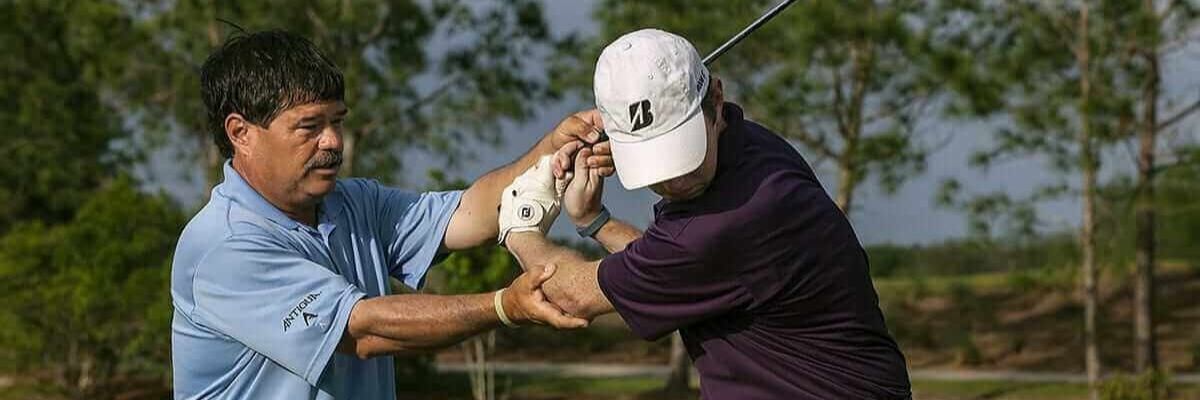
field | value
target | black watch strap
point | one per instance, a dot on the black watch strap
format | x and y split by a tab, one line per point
591	229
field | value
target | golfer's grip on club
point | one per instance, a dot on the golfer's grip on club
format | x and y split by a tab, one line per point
589	128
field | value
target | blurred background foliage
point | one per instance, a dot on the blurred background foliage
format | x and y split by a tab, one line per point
94	89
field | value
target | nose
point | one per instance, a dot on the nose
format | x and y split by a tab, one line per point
331	138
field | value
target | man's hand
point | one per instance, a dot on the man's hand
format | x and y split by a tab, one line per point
582	197
530	203
574	287
579	130
585	126
525	302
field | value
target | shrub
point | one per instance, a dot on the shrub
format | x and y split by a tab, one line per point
1140	387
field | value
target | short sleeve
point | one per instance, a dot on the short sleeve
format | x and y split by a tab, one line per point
659	284
417	225
267	296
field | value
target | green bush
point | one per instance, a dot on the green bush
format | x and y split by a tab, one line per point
95	290
973	256
966	352
1195	353
1140	387
1048	278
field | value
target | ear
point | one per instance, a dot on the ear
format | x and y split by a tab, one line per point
237	128
718	95
719	99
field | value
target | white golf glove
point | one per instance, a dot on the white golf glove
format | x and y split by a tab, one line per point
531	202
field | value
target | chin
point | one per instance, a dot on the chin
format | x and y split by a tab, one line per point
320	187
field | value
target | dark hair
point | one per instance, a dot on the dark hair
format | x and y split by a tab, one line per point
259	75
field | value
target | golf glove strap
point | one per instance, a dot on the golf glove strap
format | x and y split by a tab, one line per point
531	202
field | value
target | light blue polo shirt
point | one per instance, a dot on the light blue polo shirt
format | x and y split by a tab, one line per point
261	301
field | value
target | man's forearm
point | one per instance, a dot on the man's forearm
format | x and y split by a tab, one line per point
616	235
534	248
416	323
575	287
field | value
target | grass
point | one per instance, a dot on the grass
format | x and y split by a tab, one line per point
29	391
549	387
997	390
530	387
1001	390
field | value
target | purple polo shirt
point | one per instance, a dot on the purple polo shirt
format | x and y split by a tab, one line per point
765	279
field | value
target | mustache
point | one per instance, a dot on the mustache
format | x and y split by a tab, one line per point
324	159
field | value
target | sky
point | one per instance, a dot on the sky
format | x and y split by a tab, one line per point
909	216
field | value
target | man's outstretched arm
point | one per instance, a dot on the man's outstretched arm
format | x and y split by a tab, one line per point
474	222
419	323
574	287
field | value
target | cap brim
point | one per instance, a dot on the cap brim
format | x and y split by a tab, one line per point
664	157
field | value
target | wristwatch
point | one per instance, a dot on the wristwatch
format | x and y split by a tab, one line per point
591	229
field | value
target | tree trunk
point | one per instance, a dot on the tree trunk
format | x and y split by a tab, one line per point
213	161
1145	355
863	58
349	140
1087	240
679	381
1145	349
482	376
846	184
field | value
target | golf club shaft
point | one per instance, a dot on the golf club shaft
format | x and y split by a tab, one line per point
746	32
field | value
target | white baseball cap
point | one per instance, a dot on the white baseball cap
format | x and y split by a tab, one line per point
649	85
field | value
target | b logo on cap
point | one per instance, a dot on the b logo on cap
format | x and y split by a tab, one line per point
640	115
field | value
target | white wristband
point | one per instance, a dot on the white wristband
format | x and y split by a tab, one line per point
500	309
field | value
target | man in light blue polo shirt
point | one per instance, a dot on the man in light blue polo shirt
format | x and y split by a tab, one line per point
280	283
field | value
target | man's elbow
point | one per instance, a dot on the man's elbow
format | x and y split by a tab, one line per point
374	346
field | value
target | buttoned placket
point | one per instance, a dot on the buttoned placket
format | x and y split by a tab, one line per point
322	233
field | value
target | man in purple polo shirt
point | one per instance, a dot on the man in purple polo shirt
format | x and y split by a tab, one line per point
747	256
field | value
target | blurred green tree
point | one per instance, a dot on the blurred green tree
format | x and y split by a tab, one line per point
88	299
1050	74
83	252
62	133
427	76
1158	30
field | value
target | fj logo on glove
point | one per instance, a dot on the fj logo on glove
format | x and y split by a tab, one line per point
640	115
525	213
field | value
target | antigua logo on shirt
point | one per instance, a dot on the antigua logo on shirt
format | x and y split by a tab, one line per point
298	311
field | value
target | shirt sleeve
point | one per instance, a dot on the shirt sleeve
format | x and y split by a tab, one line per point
417	225
658	285
267	296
